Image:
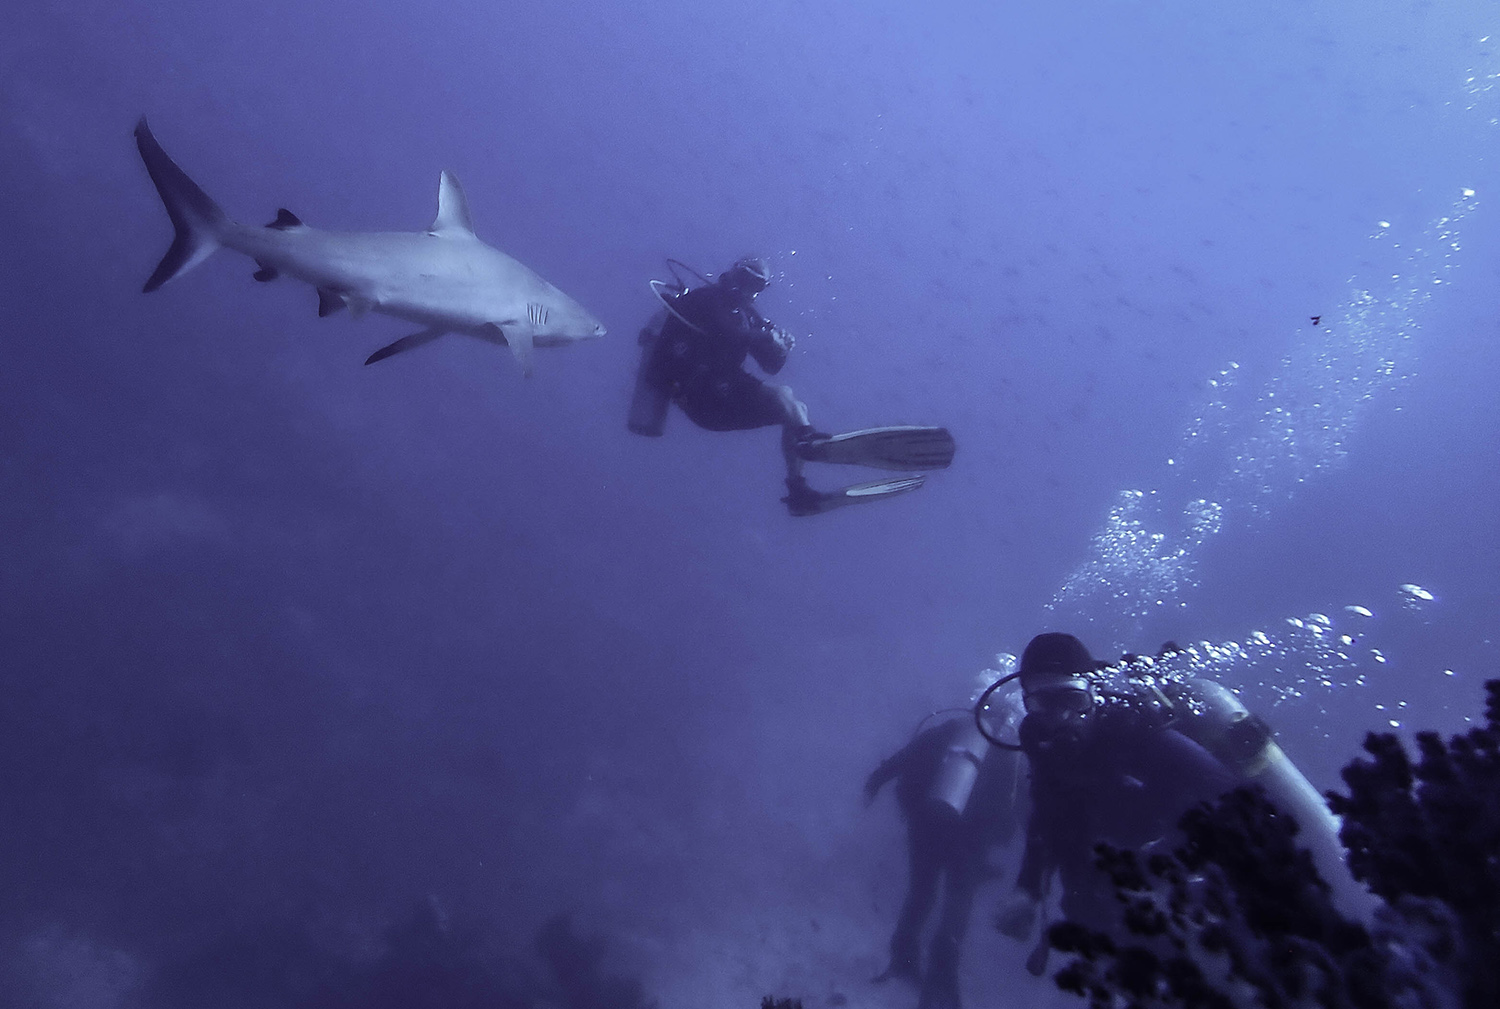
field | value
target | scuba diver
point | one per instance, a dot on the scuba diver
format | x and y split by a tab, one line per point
694	353
960	798
1119	761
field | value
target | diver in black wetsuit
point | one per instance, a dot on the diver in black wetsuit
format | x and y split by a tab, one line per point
960	798
695	358
1120	760
1115	774
698	360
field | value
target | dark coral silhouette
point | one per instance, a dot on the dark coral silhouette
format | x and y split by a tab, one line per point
1238	916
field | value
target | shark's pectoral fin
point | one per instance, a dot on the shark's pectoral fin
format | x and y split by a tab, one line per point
265	274
404	344
518	339
329	301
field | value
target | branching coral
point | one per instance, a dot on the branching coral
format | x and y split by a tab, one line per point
1236	916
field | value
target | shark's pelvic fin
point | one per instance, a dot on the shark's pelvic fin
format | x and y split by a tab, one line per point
453	210
265	274
404	344
286	221
329	301
195	218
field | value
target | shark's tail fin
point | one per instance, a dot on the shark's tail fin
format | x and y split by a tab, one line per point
194	215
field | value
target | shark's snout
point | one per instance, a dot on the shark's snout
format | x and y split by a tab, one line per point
599	330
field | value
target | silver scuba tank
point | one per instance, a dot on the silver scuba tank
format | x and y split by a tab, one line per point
1226	728
650	401
954	782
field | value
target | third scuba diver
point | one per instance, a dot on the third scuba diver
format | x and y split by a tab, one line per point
960	798
694	354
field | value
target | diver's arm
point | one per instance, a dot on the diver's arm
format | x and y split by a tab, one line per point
1038	861
1036	870
716	317
894	766
887	770
1017	914
771	346
913	755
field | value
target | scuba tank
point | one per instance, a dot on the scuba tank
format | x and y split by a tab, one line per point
1222	725
649	402
954	781
652	397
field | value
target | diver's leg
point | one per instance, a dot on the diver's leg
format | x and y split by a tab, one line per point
924	864
940	981
794	425
738	401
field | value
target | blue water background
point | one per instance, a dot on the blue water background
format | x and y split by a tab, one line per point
283	637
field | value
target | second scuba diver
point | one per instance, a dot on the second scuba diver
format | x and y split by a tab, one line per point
694	355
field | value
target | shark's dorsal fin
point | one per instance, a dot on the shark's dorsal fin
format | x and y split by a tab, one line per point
453	210
286	221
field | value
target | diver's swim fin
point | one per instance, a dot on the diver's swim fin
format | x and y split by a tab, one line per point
803	500
898	448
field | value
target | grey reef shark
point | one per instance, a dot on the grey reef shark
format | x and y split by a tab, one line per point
443	279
